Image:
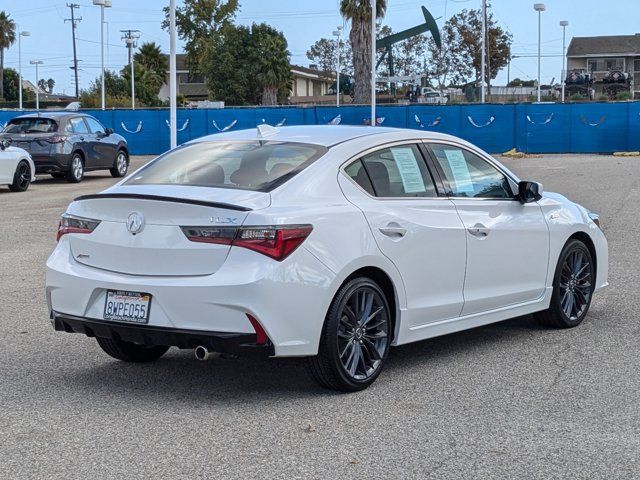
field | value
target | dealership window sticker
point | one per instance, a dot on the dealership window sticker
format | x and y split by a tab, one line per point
409	170
460	172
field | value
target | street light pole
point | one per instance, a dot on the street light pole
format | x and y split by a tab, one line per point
130	37
103	4
337	33
20	35
483	60
173	91
36	63
374	14
539	7
564	24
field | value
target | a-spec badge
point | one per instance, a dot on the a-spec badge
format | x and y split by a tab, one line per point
224	220
135	223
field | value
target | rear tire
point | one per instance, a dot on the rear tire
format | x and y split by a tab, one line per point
76	169
355	338
130	352
572	288
22	178
121	165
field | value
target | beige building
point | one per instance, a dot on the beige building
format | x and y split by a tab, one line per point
310	84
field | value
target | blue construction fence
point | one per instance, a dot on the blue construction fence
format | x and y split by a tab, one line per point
532	128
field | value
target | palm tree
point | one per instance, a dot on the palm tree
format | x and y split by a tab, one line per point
359	12
151	57
7	38
273	69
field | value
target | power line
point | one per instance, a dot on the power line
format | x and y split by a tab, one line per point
74	22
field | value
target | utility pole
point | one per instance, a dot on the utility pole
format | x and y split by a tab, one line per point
130	37
484	50
74	22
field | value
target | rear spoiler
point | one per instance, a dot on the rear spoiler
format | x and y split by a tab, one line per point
161	198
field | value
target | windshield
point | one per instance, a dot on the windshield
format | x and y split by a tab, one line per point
257	165
31	125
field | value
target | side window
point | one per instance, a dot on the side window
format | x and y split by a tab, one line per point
94	125
78	125
469	175
357	172
395	172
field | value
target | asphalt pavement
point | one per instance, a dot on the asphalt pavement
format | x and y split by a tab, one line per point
510	400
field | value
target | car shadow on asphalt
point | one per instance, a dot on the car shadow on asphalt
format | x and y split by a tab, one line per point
179	376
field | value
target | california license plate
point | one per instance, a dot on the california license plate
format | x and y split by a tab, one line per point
131	307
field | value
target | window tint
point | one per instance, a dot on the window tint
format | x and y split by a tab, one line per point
399	172
469	175
78	125
94	125
258	166
31	125
357	172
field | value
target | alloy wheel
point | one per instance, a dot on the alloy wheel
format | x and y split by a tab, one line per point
575	284
24	176
363	333
121	163
77	167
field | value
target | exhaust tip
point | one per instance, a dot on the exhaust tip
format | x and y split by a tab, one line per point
202	353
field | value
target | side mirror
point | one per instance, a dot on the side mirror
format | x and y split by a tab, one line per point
5	143
108	131
529	192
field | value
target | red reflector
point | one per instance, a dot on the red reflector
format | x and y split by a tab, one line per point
261	335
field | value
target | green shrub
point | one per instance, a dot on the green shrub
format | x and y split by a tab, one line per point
623	95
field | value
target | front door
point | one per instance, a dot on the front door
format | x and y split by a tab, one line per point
416	229
101	147
507	242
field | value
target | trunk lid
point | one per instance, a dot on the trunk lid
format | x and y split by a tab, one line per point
36	144
159	248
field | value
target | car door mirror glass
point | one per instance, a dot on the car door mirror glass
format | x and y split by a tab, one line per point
108	131
5	143
529	192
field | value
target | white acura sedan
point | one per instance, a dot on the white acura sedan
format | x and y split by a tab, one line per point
16	167
329	242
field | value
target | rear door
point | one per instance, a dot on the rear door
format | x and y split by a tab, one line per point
418	230
507	242
101	146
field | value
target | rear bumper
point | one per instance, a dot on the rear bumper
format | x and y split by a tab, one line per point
56	162
223	342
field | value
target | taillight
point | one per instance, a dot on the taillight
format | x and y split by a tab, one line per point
72	224
277	242
56	139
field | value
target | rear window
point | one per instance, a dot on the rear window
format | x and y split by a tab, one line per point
259	165
31	125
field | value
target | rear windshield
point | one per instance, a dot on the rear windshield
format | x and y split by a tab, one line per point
31	125
259	165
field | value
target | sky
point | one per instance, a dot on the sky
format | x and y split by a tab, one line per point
303	22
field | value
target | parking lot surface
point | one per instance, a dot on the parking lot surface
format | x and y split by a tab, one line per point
510	400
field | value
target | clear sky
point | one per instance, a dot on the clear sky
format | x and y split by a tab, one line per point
303	22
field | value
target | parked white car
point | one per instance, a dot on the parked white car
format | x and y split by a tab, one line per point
16	167
330	242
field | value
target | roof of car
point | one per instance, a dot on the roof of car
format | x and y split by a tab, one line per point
54	115
324	135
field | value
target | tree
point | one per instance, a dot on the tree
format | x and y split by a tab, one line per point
7	38
323	53
197	22
150	56
466	37
148	83
359	13
517	82
270	59
448	64
46	85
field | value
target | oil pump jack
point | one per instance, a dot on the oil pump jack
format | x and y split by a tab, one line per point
387	43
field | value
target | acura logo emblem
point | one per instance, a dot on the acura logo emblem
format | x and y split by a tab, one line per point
135	223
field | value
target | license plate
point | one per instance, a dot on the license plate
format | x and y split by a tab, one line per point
131	307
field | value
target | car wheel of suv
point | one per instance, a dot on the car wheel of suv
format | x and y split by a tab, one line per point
355	338
572	288
130	352
121	165
22	178
76	169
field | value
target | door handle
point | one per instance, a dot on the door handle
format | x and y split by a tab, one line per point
479	230
393	232
82	139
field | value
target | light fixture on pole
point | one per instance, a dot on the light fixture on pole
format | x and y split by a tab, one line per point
338	33
564	24
131	37
483	43
20	35
374	14
103	4
36	63
173	91
539	7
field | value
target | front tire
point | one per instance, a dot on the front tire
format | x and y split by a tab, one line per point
76	169
130	352
355	338
121	165
21	178
572	288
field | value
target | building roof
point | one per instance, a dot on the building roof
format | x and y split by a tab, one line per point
607	45
312	73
